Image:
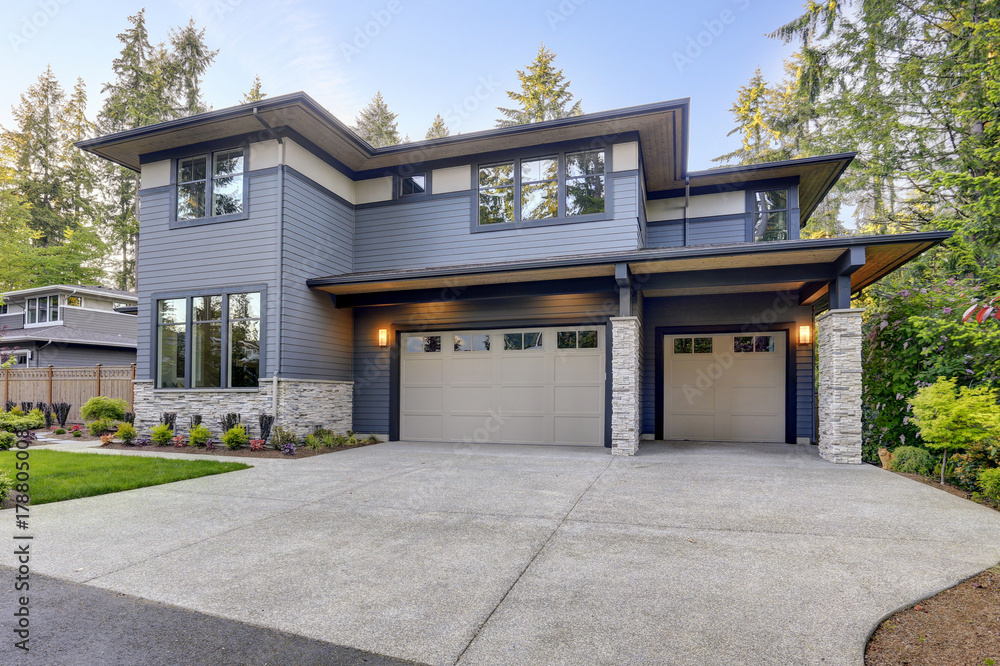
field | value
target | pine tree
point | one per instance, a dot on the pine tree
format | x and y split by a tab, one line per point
255	94
544	93
754	111
80	168
376	124
190	58
438	129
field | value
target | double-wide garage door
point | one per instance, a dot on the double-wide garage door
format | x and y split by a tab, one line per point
725	387
513	386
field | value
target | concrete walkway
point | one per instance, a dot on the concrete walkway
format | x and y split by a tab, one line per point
685	554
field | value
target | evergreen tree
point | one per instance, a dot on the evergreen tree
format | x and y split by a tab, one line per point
255	94
376	124
544	93
190	58
80	168
438	129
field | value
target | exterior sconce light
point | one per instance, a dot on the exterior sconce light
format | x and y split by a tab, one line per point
805	335
383	337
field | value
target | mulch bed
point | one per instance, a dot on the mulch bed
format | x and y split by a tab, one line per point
958	627
300	451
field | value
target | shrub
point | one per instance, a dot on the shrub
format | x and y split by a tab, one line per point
229	421
169	419
966	466
373	439
314	441
75	428
352	440
288	448
103	407
6	485
256	444
47	413
61	410
281	436
16	421
16	411
107	439
60	431
101	427
199	435
989	481
266	422
236	437
912	460
129	418
127	433
161	435
179	441
7	440
78	433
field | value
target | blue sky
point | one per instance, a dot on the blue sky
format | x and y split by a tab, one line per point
452	58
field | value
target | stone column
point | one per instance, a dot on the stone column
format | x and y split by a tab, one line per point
839	347
626	385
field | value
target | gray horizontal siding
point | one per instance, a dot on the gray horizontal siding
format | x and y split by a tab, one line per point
728	230
665	234
100	321
12	321
229	254
316	337
436	232
68	356
372	363
737	310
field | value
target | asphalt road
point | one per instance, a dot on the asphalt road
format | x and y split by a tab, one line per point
78	625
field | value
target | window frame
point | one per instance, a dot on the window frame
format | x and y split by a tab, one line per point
398	186
559	151
4	309
189	296
49	321
791	187
209	152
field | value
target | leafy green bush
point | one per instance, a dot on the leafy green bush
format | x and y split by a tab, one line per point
315	441
60	431
281	436
6	485
161	435
236	437
127	433
78	433
967	465
103	407
17	421
912	460
199	435
989	482
7	440
101	427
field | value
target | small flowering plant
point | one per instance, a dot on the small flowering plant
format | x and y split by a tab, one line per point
107	439
256	444
179	441
75	428
288	448
210	444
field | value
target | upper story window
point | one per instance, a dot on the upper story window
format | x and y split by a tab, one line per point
410	185
3	309
770	215
41	310
533	189
75	301
208	341
210	192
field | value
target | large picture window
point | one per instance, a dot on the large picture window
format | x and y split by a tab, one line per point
210	193
540	189
222	332
770	215
41	310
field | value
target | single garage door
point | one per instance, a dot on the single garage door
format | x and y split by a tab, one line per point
725	387
513	386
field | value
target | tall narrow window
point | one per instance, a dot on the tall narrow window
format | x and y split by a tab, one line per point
770	215
496	193
540	188
192	187
244	340
227	182
31	311
585	182
171	348
206	342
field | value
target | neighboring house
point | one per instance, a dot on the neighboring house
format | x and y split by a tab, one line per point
565	282
67	325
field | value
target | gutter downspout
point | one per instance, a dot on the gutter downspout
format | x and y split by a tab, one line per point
687	202
280	244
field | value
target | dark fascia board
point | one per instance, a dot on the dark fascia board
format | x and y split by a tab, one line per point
802	161
844	242
300	98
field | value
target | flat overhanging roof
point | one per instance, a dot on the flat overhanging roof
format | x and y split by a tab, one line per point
707	269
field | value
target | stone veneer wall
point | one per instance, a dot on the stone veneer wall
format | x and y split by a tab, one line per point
839	348
626	385
303	404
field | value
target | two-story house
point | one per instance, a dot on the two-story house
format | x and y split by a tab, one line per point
565	282
67	325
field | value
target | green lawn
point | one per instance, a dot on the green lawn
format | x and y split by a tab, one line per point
58	475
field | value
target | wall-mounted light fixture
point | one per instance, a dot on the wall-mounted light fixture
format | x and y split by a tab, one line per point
383	337
805	335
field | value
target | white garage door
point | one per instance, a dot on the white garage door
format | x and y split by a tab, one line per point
725	387
512	386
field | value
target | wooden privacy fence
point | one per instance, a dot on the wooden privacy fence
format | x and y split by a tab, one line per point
72	385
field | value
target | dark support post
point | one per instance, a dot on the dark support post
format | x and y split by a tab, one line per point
840	288
50	384
623	277
131	400
98	379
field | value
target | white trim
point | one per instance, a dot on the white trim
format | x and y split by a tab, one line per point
59	289
83	309
28	338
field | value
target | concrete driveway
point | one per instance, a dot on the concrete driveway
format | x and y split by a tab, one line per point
685	554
